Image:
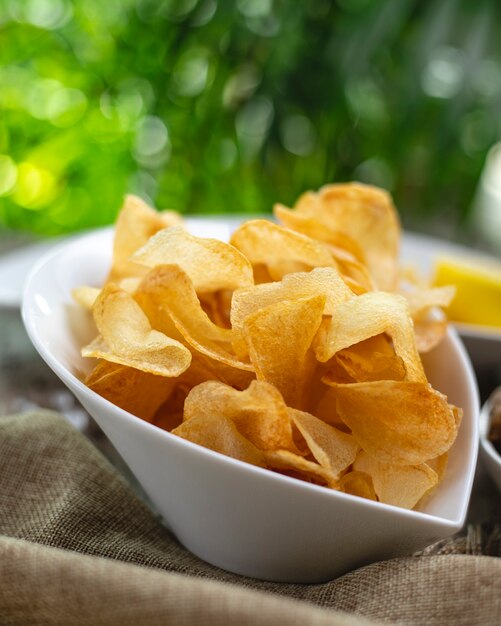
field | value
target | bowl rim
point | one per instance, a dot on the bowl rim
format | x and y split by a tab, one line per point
74	383
485	442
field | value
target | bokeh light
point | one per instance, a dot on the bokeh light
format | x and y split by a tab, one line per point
212	106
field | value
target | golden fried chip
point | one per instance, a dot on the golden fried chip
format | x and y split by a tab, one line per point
397	422
221	435
422	300
259	412
371	314
366	215
128	339
430	323
167	291
345	251
134	391
288	461
310	226
332	449
136	223
279	338
369	360
430	332
358	484
210	264
320	281
439	465
398	485
281	250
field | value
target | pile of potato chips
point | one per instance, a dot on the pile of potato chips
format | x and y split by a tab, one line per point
294	347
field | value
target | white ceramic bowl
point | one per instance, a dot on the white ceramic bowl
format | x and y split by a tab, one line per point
490	456
239	517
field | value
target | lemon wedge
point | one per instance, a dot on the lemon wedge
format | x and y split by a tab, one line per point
478	284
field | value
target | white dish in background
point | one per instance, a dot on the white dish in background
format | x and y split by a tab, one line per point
237	516
490	456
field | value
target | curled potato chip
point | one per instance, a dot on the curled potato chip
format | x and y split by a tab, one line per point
210	264
128	339
430	323
134	391
397	422
439	465
422	300
398	485
332	449
279	338
358	484
288	461
280	249
324	281
344	250
368	315
167	291
221	435
369	360
365	214
259	412
136	223
430	332
310	226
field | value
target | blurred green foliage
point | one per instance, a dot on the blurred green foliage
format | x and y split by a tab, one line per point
212	106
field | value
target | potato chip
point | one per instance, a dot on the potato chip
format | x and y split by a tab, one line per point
370	360
167	291
430	323
128	339
217	305
397	422
366	215
368	315
332	449
430	332
288	461
326	411
279	338
136	223
221	435
281	250
422	300
204	368
210	264
344	250
402	486
439	465
358	484
259	412
310	226
134	391
324	281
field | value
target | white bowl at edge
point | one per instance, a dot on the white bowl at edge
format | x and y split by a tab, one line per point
239	517
490	456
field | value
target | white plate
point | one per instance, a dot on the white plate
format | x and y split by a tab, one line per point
237	516
490	456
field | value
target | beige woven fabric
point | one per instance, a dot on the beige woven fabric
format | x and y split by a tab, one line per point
62	505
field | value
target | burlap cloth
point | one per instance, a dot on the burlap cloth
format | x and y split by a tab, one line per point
77	546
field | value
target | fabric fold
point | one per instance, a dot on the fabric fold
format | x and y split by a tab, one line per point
63	507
